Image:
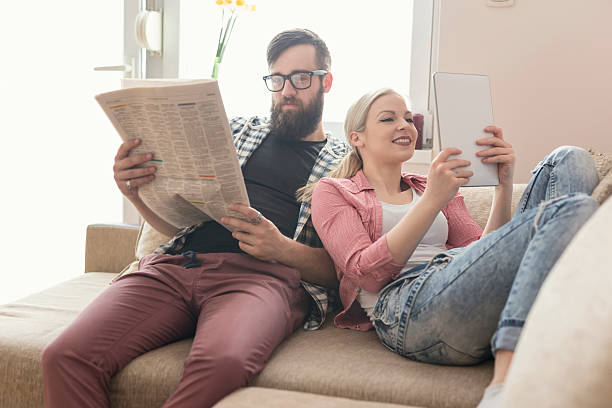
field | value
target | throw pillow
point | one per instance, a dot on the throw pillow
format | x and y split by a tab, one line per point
603	163
603	189
148	240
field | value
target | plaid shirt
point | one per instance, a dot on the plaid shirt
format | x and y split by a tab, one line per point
249	133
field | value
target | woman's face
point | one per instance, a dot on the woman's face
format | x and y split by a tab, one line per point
389	135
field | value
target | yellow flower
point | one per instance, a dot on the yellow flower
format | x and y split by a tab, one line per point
252	7
228	1
239	2
219	2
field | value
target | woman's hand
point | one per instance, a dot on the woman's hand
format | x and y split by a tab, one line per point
445	177
501	152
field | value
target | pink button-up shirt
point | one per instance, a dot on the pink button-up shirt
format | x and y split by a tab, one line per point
348	218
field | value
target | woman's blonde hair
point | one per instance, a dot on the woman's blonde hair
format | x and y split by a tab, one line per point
355	121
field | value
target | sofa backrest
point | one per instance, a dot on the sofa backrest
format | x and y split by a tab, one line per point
478	201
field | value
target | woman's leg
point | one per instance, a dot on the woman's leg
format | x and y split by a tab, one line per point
566	170
449	313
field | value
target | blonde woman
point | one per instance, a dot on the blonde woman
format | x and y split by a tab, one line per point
411	261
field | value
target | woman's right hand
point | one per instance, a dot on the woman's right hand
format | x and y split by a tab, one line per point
127	176
445	177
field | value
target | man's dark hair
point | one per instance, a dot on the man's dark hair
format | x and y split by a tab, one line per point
298	36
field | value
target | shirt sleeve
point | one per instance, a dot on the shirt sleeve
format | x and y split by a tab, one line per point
237	125
341	229
462	229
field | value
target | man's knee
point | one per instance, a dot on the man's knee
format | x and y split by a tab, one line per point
52	356
64	355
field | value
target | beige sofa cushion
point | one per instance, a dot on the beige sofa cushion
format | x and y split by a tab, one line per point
564	355
478	201
330	361
256	397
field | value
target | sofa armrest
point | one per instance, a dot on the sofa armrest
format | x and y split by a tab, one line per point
109	248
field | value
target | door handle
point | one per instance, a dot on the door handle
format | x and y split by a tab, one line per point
126	68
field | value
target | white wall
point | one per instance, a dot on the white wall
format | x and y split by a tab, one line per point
550	64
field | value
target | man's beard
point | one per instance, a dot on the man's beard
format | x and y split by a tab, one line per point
296	124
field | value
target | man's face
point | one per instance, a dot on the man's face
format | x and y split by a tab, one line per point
295	113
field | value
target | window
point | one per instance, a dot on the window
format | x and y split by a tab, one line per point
57	144
370	45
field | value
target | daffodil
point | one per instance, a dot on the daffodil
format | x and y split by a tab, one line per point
227	26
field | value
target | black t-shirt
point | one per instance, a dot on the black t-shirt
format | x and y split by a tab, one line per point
272	175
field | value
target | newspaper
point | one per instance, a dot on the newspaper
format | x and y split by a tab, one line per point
184	125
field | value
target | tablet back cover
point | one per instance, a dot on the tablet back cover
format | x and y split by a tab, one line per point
463	107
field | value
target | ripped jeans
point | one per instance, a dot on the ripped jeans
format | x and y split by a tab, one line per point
469	302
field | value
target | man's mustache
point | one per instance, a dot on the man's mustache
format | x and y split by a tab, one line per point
289	101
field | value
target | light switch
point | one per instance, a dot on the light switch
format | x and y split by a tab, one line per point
500	3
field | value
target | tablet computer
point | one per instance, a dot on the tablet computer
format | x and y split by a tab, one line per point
463	110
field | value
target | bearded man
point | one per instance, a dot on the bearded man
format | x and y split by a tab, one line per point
238	294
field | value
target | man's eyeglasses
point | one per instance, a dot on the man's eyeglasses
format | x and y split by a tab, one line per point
299	80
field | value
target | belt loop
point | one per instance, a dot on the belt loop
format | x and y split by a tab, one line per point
192	262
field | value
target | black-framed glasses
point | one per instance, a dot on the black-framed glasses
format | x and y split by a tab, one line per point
299	80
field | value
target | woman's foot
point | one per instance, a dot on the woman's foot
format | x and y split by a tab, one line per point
491	396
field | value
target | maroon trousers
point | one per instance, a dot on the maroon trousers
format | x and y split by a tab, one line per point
237	308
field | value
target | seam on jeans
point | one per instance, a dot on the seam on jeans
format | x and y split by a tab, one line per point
456	350
510	323
405	316
552	182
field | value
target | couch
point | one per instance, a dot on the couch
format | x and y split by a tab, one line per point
338	368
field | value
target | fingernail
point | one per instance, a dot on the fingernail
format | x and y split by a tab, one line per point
224	220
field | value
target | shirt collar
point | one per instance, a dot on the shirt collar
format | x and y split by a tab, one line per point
416	181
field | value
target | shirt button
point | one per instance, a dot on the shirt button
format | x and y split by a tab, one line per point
357	327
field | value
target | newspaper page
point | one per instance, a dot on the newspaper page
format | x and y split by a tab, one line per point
184	125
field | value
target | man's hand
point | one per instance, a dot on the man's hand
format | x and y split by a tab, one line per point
127	176
259	237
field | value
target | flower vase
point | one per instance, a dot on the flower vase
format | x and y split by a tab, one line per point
215	73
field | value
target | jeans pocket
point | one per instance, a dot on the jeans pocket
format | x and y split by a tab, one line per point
443	354
389	306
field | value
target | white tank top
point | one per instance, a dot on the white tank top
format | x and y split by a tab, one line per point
432	243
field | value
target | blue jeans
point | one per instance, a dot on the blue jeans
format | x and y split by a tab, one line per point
470	302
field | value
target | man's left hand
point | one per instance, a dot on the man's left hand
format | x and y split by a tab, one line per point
258	237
